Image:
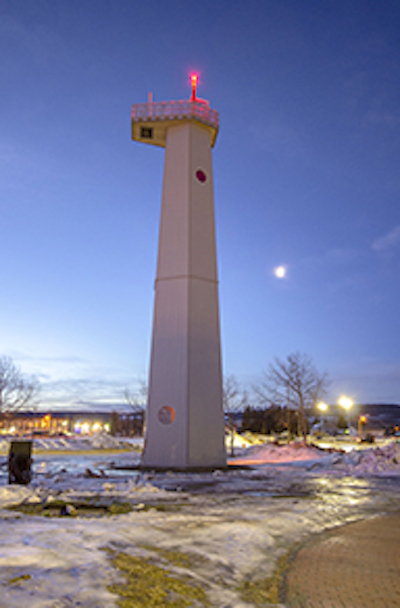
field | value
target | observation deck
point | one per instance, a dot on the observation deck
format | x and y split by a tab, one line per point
150	120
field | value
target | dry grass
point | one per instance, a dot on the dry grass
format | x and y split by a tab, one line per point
260	592
147	584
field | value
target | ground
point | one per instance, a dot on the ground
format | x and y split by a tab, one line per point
221	534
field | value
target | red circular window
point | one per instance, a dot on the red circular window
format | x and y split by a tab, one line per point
201	176
166	414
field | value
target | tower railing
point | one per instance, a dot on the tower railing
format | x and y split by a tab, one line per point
175	110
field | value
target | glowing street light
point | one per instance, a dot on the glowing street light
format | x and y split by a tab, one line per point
346	403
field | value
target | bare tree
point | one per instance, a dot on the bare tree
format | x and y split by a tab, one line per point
137	400
234	399
293	382
17	391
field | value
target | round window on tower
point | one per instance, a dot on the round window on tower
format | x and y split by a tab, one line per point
201	176
166	414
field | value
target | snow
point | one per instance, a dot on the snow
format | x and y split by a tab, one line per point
381	461
279	454
237	522
97	441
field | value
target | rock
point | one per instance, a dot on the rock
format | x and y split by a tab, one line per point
33	500
67	510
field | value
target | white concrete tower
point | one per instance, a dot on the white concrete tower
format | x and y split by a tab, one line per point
185	423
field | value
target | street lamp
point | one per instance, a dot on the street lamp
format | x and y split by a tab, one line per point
346	404
361	421
323	408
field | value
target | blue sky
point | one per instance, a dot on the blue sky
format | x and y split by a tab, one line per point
306	175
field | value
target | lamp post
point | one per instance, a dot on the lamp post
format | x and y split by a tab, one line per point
362	420
323	408
346	404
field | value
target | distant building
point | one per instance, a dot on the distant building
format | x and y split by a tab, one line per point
61	422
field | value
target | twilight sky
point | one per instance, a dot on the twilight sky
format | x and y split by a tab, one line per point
306	170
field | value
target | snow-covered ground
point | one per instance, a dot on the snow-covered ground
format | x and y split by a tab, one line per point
72	443
236	522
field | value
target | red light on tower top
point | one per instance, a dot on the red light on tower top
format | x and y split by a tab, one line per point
194	79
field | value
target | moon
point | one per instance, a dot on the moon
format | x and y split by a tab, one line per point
280	272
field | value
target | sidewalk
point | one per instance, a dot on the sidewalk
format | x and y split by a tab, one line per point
354	566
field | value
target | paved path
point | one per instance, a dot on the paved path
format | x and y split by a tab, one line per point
354	566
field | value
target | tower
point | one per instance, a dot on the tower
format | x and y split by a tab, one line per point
185	422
